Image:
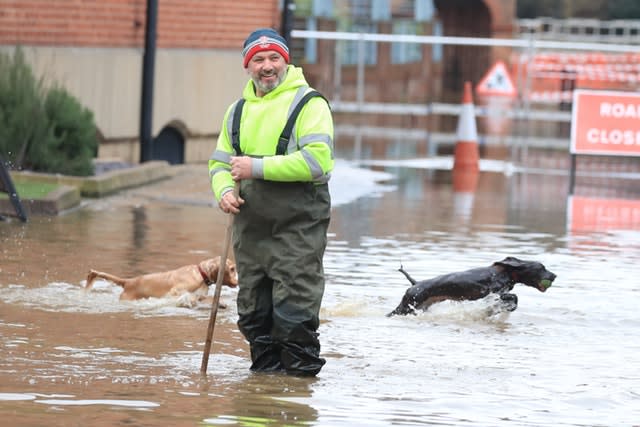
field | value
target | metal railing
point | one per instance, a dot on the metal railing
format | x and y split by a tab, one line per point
580	30
528	46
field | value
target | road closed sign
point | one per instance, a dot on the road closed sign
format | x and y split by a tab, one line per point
605	123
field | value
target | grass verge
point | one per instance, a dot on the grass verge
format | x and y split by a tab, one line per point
31	190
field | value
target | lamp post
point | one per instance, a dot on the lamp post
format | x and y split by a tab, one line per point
148	65
286	24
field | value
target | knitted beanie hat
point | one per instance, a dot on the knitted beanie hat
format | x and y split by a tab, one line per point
264	39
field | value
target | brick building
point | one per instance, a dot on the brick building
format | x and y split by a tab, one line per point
95	49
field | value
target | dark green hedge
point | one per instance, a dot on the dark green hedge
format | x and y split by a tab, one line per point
43	129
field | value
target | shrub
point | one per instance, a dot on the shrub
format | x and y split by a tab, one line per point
74	143
23	123
42	129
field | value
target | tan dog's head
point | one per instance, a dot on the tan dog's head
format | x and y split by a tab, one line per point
211	267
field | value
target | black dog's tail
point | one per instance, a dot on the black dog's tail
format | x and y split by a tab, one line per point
411	279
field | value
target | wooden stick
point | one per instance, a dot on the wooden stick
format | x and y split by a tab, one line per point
216	295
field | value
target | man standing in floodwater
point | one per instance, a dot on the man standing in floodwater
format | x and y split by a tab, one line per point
282	156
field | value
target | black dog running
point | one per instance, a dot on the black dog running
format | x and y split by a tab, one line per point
499	278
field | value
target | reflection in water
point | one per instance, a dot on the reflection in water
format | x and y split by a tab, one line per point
263	399
562	358
465	183
139	226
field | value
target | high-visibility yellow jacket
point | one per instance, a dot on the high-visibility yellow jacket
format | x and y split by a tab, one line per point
309	156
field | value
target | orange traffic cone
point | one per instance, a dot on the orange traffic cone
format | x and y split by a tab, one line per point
466	152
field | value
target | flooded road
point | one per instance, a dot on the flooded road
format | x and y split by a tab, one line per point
566	357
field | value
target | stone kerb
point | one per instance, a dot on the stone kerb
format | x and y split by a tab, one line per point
73	188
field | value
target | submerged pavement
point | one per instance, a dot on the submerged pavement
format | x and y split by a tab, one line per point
189	184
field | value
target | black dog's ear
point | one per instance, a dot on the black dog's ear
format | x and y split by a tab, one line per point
510	262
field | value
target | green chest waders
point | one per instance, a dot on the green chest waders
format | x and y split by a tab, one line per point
280	236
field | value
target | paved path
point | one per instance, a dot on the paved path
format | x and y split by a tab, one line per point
189	184
186	185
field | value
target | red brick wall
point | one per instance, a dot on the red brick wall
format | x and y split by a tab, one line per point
121	23
503	15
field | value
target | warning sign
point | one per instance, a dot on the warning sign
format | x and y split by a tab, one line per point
497	82
605	122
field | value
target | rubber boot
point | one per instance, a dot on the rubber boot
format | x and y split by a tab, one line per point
265	355
301	361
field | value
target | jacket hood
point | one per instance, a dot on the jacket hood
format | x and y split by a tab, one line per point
293	80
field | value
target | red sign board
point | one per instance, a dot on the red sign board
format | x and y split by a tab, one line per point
591	214
605	123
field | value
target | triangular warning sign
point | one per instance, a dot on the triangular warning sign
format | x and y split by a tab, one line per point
497	82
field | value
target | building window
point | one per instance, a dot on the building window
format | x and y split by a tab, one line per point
437	49
380	10
424	10
350	51
311	45
358	21
402	53
322	8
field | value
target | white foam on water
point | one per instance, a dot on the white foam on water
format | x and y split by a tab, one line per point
350	182
110	402
102	298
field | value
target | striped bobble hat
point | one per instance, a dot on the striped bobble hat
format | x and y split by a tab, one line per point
264	39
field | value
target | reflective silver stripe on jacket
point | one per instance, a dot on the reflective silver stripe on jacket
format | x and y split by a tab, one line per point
232	113
317	137
294	145
214	171
316	171
221	156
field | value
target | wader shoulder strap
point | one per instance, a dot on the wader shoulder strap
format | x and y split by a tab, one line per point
235	126
283	141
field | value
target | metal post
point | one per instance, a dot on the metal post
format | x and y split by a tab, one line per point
360	73
523	152
148	65
572	174
6	185
360	96
287	21
337	70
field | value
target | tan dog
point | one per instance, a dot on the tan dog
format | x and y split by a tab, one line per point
191	279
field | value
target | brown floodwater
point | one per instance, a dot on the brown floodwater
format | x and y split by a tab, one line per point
566	357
